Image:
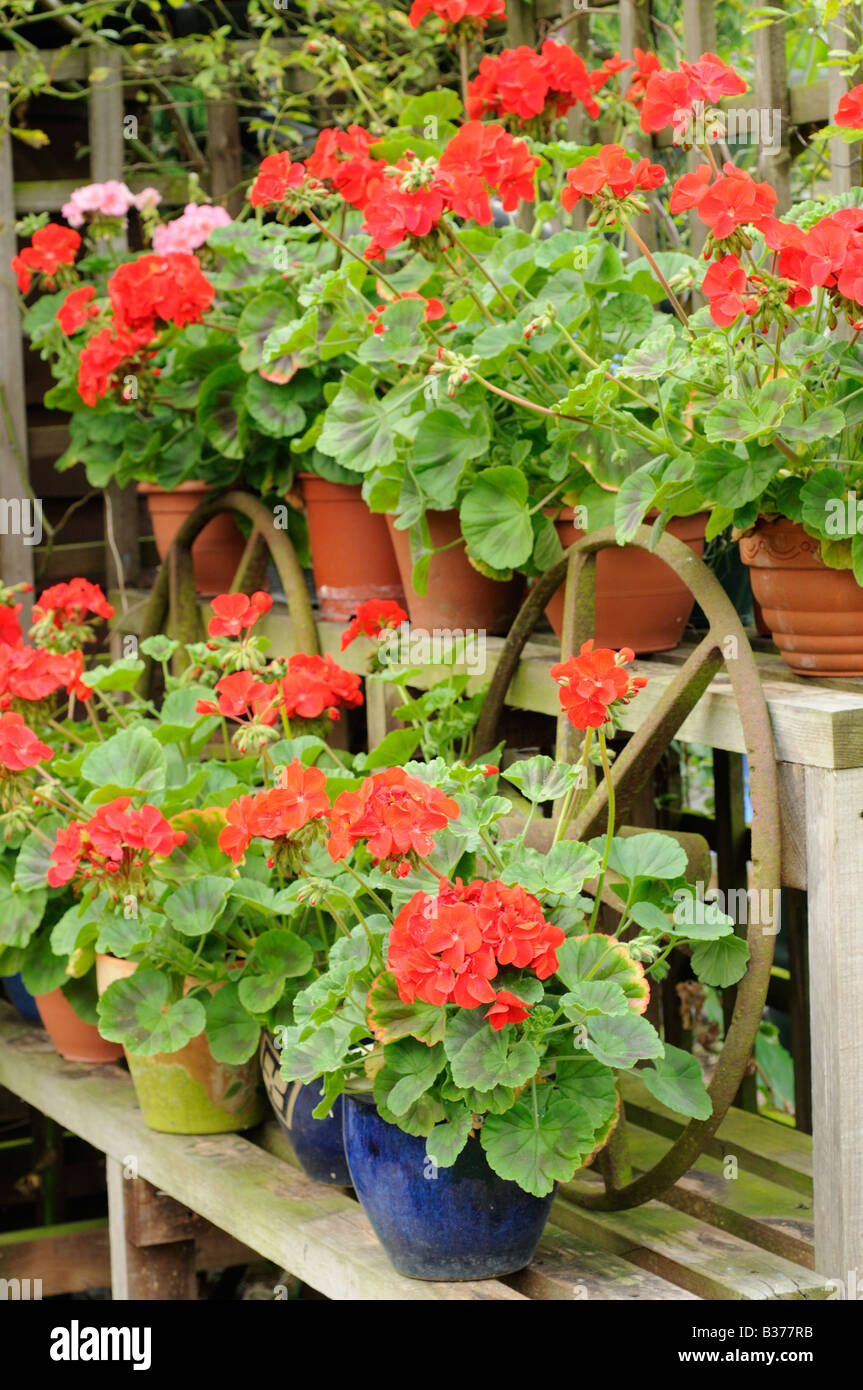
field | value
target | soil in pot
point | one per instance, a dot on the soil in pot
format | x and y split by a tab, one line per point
74	1039
813	613
318	1144
640	602
188	1091
352	555
219	548
463	1223
457	596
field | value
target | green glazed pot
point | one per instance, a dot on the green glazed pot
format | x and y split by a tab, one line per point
188	1092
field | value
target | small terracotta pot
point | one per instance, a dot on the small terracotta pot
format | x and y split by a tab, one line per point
352	555
457	595
219	548
188	1091
814	613
74	1039
640	602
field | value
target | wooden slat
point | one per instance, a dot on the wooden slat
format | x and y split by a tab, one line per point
771	1150
568	1268
319	1235
703	1259
771	95
765	1213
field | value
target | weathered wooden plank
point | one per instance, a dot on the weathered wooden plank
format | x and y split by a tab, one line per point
772	1151
567	1268
319	1235
703	1259
834	847
845	166
225	155
771	97
716	1191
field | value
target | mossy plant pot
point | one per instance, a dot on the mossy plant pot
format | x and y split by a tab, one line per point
219	548
318	1144
188	1091
457	595
352	555
456	1223
640	602
73	1038
813	613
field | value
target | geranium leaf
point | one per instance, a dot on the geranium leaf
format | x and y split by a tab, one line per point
138	1012
720	963
620	1040
483	1059
447	1139
676	1081
410	1069
390	1018
537	1145
195	907
232	1033
599	957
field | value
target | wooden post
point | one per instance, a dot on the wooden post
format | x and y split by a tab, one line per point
699	36
635	33
520	23
834	852
106	162
225	155
773	104
16	558
152	1240
845	165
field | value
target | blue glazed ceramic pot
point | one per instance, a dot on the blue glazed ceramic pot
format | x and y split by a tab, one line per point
21	997
318	1144
462	1222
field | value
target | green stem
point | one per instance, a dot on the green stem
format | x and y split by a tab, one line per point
609	832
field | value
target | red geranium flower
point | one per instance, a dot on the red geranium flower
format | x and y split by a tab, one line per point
50	247
241	696
114	844
610	177
849	112
235	612
10	628
341	157
172	288
712	79
690	189
240	829
69	604
276	175
725	285
106	351
30	674
19	746
317	685
76	309
521	82
395	813
452	12
669	96
277	814
506	1009
733	201
593	682
372	618
66	854
647	64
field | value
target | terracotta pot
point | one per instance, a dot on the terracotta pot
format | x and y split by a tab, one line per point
352	556
814	614
219	548
457	595
74	1039
188	1091
640	602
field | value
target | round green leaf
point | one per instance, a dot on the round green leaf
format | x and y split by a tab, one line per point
138	1012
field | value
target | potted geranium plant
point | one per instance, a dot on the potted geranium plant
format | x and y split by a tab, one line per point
471	1014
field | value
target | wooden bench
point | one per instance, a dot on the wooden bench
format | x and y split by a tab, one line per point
178	1204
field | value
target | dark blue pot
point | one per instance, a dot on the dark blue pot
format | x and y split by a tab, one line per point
21	997
462	1223
318	1144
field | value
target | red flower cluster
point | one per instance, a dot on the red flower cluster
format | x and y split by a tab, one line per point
316	685
731	201
593	683
829	255
372	618
112	842
341	158
521	82
728	288
28	673
172	288
447	949
395	814
646	64
276	175
106	351
479	160
278	814
10	628
234	612
453	12
242	696
668	96
77	309
50	247
849	112
19	746
68	605
609	178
